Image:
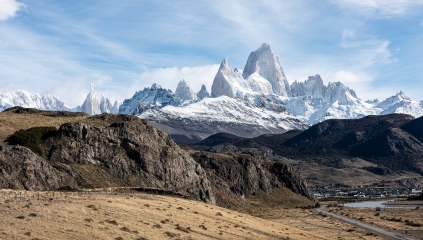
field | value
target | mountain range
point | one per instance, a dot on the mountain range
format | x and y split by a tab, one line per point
258	100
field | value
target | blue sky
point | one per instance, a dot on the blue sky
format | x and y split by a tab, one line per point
59	47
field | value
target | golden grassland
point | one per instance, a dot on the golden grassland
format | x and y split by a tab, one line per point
283	206
11	122
135	216
147	216
393	219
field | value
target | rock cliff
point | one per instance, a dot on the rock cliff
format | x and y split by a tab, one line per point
110	150
203	93
184	91
239	176
20	168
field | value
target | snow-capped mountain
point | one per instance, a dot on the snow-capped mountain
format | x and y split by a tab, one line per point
401	104
263	63
247	117
229	82
184	91
262	74
106	106
194	120
31	100
92	106
257	101
152	97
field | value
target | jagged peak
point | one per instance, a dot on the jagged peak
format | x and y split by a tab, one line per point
203	93
224	64
155	86
265	46
183	81
184	91
401	94
92	87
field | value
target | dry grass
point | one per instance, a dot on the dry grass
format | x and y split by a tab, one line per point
97	216
394	219
11	122
283	206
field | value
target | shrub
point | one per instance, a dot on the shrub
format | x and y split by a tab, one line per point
414	224
32	138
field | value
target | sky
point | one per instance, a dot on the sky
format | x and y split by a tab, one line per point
58	47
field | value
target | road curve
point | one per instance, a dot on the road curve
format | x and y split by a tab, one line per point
364	226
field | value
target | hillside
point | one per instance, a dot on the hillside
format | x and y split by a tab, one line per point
124	151
374	148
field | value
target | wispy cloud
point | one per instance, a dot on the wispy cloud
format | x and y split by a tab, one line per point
9	9
369	51
62	46
381	8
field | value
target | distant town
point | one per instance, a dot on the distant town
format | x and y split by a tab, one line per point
374	191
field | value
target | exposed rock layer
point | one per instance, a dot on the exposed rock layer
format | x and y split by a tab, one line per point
20	168
242	175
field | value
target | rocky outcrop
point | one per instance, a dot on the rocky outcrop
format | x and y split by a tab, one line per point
264	63
131	152
105	105
242	175
184	91
91	104
22	169
110	150
224	83
203	93
313	86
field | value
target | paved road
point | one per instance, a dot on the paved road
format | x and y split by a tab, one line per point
385	233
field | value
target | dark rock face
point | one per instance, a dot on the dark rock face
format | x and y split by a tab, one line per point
242	175
133	154
394	142
124	151
22	169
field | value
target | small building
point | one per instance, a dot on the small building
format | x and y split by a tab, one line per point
377	195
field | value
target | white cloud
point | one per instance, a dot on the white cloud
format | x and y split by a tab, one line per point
345	77
367	51
385	8
170	77
9	8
